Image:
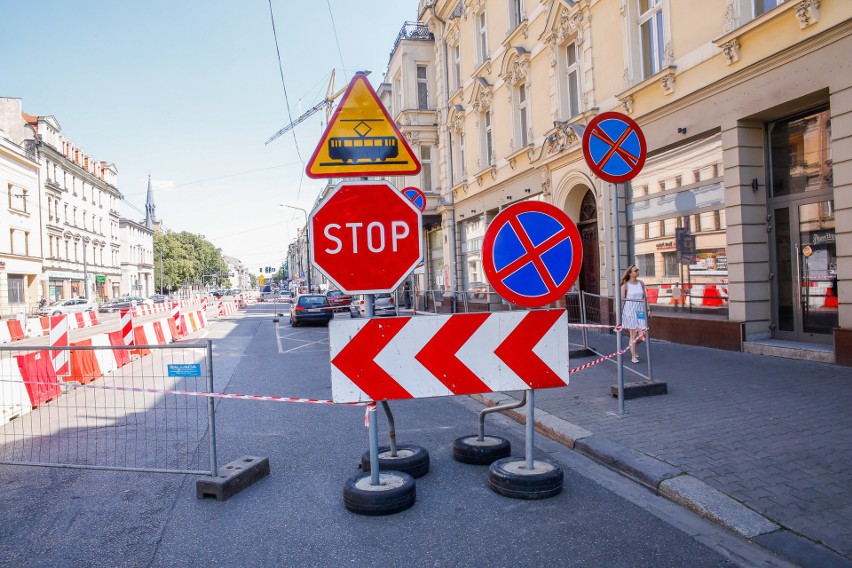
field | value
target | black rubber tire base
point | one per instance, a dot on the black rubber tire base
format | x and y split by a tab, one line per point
413	460
510	477
396	492
468	449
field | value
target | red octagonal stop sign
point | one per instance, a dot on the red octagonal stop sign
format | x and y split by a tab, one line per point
366	237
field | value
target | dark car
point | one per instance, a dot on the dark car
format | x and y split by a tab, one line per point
338	300
310	308
123	303
383	305
159	298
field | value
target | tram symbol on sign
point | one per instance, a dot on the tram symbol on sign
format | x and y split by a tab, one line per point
362	147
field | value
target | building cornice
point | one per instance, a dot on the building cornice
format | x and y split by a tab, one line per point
58	157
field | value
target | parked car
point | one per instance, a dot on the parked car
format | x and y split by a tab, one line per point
284	296
383	305
123	303
159	298
310	308
70	306
338	300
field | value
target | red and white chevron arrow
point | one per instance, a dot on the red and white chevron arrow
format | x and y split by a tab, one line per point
404	357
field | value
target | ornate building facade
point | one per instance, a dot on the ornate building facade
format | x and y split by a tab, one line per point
745	106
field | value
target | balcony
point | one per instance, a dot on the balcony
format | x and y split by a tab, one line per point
413	31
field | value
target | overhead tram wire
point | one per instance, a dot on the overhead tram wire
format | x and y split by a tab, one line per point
336	40
286	98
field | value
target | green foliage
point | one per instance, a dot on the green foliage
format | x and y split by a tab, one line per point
186	259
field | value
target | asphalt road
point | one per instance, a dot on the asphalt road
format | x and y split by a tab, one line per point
296	517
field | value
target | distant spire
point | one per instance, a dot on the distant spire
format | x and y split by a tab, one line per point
150	208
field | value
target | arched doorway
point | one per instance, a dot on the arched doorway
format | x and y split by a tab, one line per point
590	276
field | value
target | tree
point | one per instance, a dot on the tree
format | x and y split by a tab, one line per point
186	258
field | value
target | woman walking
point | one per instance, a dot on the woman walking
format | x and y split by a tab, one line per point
633	315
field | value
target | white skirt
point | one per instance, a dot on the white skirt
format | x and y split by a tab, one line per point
633	315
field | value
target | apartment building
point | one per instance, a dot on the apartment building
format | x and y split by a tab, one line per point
137	258
20	229
745	105
77	209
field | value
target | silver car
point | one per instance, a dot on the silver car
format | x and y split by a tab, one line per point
70	306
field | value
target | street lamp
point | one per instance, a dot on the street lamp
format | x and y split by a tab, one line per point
307	242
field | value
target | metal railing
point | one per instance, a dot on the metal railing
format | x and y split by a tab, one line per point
106	416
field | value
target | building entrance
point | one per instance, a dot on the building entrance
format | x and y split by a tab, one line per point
805	271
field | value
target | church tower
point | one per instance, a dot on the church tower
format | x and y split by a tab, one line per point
150	208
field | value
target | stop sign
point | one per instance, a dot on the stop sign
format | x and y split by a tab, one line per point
366	237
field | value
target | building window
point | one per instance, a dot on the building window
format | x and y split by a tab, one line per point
487	140
645	264
471	234
651	34
17	289
458	159
482	38
422	88
457	80
800	154
522	113
572	81
516	13
670	264
426	168
17	198
763	6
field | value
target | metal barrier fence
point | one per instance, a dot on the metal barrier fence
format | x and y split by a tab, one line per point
599	310
111	421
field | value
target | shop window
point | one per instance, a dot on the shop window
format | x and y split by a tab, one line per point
800	154
471	233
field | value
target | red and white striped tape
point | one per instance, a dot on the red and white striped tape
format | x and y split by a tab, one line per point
639	337
176	315
201	394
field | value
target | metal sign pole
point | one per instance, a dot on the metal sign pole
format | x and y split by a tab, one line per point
369	306
617	267
530	430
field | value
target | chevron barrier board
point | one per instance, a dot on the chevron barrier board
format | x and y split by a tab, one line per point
420	357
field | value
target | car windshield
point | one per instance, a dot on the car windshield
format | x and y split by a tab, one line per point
335	293
58	303
312	301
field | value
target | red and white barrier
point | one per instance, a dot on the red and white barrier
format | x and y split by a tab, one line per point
59	338
127	326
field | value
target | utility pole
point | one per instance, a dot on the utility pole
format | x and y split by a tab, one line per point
161	273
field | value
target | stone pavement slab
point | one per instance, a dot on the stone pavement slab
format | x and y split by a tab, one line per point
772	434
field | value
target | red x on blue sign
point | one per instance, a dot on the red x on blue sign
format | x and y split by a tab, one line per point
532	254
614	147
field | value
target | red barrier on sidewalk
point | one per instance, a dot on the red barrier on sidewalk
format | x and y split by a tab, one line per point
45	325
139	338
94	317
38	368
81	323
122	356
653	294
174	329
158	330
15	330
84	364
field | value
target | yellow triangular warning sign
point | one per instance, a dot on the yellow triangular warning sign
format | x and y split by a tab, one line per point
361	139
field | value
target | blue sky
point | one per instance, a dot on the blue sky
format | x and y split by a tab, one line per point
189	91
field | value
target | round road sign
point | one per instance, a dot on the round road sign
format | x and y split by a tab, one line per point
532	253
417	197
614	147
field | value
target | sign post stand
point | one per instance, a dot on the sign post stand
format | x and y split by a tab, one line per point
615	150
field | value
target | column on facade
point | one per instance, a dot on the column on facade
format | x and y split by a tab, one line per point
747	234
841	154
